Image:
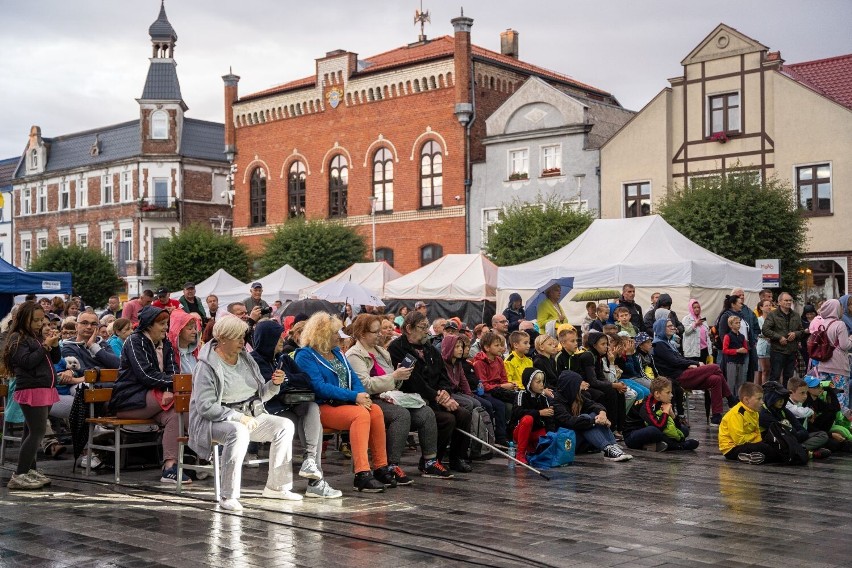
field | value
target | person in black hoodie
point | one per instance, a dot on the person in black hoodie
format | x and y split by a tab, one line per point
532	414
575	410
546	350
589	364
272	362
144	386
775	398
664	301
514	312
429	379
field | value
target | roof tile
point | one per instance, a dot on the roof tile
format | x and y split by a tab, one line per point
830	77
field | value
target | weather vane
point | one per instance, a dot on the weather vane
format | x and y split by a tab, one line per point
422	17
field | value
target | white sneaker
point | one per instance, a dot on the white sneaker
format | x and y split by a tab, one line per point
230	505
285	494
39	476
615	453
96	462
23	481
250	458
310	469
323	490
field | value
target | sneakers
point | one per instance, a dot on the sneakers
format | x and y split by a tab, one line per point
23	481
689	444
170	476
614	453
385	476
45	480
715	420
658	447
399	475
323	490
83	460
753	458
230	505
818	454
460	465
283	494
365	482
346	450
203	474
310	469
434	468
250	458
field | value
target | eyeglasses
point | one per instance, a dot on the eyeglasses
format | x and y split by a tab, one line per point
422	327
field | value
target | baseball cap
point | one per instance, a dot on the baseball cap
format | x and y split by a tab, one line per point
161	291
641	338
256	285
812	381
451	325
189	285
418	305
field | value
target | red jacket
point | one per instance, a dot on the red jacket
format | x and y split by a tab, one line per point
491	373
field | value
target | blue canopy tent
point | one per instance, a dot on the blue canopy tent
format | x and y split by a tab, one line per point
15	281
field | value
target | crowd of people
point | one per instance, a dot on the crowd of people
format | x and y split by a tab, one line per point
617	378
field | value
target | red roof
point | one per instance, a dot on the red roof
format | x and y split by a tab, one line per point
437	48
830	77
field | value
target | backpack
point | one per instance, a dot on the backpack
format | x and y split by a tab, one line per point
715	338
819	346
554	449
483	429
789	448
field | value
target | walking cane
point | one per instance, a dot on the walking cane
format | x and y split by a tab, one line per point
502	453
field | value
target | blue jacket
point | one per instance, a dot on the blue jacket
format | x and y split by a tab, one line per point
140	370
323	378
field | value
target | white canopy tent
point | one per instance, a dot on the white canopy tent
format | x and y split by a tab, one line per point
646	252
218	282
283	284
371	275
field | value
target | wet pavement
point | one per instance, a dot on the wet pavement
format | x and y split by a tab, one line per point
667	509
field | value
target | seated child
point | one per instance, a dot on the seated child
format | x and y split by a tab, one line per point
639	366
625	350
517	361
602	313
774	409
822	399
799	394
575	410
610	329
495	409
532	414
739	431
653	424
569	341
622	320
546	350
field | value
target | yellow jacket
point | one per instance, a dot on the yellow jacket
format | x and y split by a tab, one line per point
739	426
515	365
546	312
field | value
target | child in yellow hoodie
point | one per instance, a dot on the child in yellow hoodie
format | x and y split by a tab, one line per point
517	361
739	431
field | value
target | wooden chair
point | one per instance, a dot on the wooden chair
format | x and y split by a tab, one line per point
183	394
7	435
97	395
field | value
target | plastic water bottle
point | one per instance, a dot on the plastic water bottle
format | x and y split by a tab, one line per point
512	452
480	389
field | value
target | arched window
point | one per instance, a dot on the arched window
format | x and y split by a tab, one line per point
338	186
383	180
159	125
257	197
431	175
385	254
429	253
34	158
296	190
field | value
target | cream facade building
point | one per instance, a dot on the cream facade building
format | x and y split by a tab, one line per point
738	105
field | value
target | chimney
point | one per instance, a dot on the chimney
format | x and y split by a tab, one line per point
462	64
35	136
509	43
231	96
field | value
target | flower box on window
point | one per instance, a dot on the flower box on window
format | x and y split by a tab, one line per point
515	176
549	172
719	137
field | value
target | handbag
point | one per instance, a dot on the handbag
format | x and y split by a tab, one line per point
555	449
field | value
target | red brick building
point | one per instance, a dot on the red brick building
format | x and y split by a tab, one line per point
398	130
124	188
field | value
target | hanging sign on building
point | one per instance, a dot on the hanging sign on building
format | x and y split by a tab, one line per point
771	268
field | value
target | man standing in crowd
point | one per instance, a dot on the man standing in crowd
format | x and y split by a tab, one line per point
212	307
164	302
255	300
133	307
191	304
783	328
113	308
500	324
421	307
628	300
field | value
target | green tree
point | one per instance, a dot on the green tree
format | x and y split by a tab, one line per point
741	219
195	253
94	277
318	249
531	230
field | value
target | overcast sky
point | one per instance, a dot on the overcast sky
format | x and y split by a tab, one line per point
72	65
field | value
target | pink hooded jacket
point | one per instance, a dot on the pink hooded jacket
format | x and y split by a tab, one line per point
829	316
178	321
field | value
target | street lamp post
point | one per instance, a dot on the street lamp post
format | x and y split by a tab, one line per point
373	200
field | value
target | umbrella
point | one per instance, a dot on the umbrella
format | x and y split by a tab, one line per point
539	296
594	294
346	291
77	420
310	307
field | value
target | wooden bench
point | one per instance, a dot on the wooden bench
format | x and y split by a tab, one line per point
7	436
98	395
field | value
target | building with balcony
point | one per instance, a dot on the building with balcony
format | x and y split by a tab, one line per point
123	188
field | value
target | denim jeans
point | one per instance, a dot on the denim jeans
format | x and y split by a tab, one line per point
598	437
638	439
781	364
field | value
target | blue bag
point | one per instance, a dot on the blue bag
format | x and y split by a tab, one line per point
554	449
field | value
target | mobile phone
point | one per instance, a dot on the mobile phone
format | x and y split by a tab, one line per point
703	319
408	362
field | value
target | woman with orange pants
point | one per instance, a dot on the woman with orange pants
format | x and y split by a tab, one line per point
343	402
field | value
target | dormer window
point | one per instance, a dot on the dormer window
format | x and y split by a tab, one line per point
159	125
34	158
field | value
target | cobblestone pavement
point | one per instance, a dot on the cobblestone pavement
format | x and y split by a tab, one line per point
658	510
